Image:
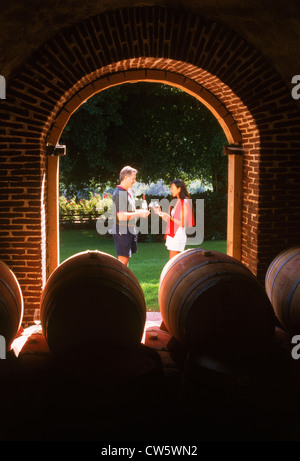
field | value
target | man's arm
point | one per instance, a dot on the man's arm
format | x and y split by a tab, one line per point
126	215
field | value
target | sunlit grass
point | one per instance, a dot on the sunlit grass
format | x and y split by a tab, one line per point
146	265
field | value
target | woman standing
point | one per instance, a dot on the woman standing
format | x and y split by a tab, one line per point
178	218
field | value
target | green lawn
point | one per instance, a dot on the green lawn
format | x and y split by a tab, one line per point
146	265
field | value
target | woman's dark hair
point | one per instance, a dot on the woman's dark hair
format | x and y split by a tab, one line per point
184	192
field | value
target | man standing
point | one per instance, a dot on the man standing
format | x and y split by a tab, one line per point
125	232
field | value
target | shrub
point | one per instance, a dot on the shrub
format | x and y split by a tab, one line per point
215	214
87	211
84	211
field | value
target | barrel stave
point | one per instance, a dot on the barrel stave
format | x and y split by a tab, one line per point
11	304
92	298
282	285
209	301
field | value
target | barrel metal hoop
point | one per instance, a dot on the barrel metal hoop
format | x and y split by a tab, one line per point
183	313
50	310
99	264
217	277
204	263
273	263
6	312
95	265
8	287
279	269
179	280
175	285
105	283
289	299
13	296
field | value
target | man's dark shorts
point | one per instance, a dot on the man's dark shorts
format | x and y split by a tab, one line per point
125	244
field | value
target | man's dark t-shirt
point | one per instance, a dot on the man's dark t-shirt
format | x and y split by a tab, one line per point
124	201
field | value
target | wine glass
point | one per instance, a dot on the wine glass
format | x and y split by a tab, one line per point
156	207
36	317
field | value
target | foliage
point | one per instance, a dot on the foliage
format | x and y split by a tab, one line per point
215	214
67	208
160	130
73	210
89	210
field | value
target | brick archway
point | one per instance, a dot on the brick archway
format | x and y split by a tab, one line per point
202	57
179	80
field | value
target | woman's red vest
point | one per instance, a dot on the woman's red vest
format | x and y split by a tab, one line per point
172	226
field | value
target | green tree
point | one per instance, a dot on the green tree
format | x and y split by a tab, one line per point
160	130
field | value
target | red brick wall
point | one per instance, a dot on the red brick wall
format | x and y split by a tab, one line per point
73	64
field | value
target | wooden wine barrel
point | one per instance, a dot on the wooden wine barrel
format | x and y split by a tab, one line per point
211	302
92	298
11	304
282	283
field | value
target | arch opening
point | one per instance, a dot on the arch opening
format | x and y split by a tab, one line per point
216	106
